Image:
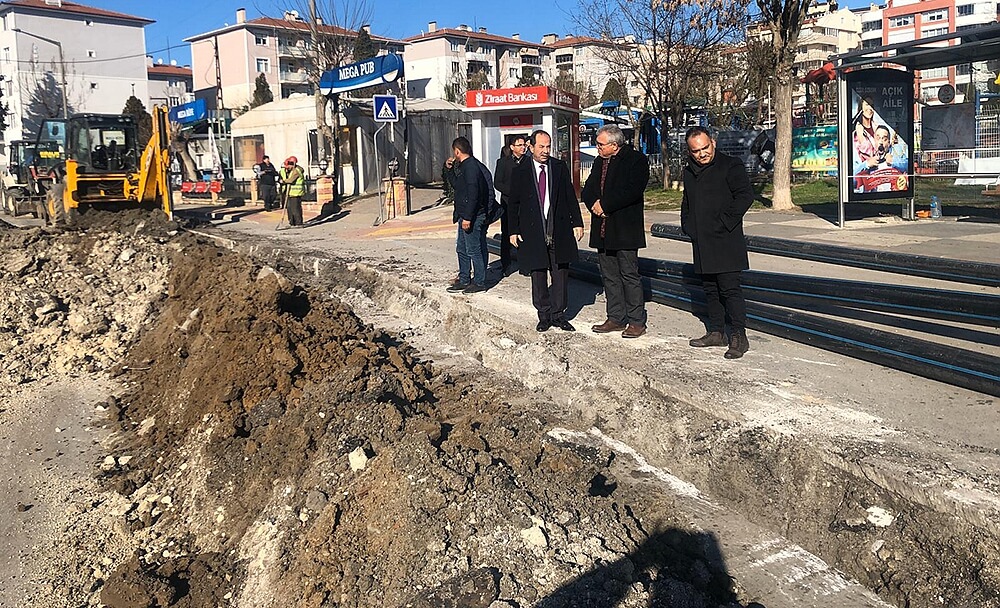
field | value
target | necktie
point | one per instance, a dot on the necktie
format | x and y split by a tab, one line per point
604	175
541	190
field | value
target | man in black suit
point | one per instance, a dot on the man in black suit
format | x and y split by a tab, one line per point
614	195
717	194
509	158
545	224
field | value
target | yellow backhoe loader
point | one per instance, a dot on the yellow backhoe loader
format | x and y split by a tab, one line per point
94	160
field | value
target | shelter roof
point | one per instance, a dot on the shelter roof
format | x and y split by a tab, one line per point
966	46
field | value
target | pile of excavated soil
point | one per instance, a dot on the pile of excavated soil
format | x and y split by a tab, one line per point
277	451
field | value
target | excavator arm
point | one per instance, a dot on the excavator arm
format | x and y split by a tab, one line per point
152	181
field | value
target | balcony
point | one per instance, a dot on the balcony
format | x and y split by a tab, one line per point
293	50
293	77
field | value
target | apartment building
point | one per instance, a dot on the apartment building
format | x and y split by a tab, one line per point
231	58
443	62
587	64
51	49
169	84
827	31
907	20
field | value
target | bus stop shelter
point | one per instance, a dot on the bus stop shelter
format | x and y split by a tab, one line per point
964	47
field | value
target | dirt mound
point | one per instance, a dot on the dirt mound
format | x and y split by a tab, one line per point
280	452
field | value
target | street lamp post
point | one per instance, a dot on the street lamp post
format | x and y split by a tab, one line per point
62	64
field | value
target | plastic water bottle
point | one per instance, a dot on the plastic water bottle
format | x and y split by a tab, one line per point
935	207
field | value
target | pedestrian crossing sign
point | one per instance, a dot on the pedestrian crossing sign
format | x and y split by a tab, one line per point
385	108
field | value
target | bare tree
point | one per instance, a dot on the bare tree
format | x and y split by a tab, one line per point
43	95
333	27
783	19
667	46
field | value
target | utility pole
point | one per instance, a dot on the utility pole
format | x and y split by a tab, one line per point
218	76
321	145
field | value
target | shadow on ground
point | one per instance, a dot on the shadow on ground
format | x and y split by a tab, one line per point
672	568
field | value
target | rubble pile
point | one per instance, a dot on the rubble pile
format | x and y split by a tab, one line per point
275	450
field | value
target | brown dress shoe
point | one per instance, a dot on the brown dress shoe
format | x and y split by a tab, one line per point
633	331
738	345
712	338
607	327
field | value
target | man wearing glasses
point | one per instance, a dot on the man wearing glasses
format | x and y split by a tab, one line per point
717	194
510	157
614	195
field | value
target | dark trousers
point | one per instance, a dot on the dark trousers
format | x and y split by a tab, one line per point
268	193
622	286
550	299
295	210
505	246
724	296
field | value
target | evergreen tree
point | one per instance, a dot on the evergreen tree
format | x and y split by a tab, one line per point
4	109
364	48
614	91
136	109
261	92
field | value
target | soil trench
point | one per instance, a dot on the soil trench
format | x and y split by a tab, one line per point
269	447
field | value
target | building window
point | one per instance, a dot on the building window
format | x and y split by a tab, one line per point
514	54
964	10
901	21
513	72
91	54
937	31
960	28
260	39
564	58
455	47
963	69
263	65
934	73
941	15
871	43
173	101
871	26
455	67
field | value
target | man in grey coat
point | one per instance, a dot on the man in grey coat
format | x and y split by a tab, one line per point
717	194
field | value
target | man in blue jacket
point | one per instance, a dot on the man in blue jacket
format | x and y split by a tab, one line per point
472	182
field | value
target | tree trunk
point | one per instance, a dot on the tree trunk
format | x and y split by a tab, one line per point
782	198
179	145
665	150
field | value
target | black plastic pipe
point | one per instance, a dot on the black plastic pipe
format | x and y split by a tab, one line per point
948	364
959	271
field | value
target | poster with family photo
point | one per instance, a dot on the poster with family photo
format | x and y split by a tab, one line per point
881	134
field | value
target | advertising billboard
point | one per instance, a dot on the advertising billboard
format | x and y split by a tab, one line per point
881	134
814	150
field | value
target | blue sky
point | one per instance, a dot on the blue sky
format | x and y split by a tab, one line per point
178	19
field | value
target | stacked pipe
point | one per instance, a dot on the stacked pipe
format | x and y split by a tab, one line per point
776	304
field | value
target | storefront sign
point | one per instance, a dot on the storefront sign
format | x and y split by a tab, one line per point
525	96
188	113
881	134
370	72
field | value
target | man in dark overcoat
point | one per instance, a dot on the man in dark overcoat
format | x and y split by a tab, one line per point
614	195
545	224
717	194
509	158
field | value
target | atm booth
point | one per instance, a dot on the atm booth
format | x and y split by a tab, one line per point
499	115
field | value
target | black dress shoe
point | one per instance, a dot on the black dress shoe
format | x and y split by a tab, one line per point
543	326
456	287
473	288
563	324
